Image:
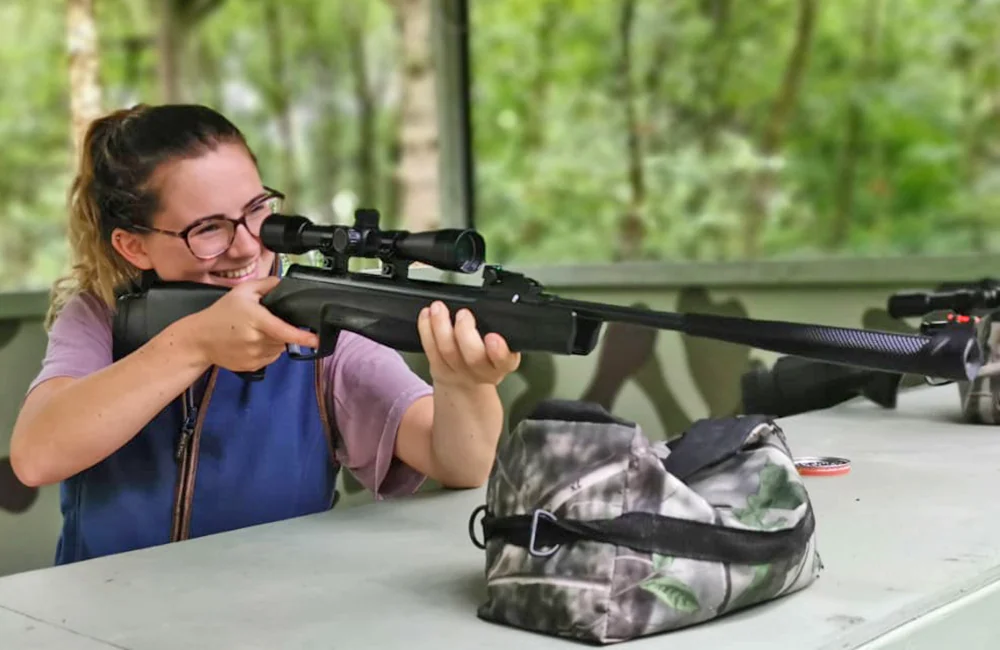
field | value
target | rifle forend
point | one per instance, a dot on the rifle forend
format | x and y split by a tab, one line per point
385	308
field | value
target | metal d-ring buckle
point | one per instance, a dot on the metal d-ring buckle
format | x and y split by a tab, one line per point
534	530
472	526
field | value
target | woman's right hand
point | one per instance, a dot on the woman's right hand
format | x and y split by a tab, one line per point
239	334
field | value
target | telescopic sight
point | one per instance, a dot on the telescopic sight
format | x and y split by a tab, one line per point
453	249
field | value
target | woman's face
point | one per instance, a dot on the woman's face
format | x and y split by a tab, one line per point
222	182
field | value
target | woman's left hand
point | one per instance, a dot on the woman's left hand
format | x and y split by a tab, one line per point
458	355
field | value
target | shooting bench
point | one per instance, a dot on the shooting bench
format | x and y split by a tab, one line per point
910	540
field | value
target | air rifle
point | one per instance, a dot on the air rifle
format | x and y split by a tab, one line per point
961	304
384	307
795	385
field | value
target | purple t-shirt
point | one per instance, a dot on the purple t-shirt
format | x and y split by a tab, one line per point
372	388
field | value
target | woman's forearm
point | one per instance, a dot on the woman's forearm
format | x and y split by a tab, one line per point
67	425
467	426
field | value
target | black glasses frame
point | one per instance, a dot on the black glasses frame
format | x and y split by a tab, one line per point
242	220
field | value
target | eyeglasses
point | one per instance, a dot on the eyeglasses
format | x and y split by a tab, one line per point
212	236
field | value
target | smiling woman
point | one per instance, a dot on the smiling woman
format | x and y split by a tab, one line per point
170	442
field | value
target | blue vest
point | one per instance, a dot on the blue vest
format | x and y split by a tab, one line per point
252	452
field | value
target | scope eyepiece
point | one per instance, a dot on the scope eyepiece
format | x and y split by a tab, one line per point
293	235
454	249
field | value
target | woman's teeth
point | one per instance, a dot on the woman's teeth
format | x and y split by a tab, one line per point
236	274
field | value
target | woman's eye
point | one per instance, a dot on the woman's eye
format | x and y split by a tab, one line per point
206	229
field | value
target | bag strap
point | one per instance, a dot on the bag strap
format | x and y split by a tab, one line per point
709	441
706	441
542	534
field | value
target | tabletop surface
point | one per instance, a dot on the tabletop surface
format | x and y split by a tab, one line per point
914	526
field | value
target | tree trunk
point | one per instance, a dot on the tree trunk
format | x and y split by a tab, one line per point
169	37
355	27
847	167
537	96
278	97
417	174
774	130
176	19
631	229
533	109
84	66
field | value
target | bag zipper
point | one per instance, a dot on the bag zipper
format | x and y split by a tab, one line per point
187	457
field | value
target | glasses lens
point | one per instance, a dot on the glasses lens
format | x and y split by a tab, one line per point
256	215
211	237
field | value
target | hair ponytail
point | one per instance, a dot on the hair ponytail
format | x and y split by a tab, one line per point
96	267
119	153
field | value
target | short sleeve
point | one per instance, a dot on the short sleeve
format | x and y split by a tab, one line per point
79	341
372	387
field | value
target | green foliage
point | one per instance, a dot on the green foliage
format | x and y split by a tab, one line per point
887	147
228	62
34	130
912	83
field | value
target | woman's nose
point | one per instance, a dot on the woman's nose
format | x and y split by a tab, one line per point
244	243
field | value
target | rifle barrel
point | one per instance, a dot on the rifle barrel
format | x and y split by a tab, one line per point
948	354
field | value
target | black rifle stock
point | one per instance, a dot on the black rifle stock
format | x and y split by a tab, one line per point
385	308
794	385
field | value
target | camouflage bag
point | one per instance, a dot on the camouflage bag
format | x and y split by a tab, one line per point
595	534
980	398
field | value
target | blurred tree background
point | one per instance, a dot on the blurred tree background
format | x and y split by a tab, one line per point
702	130
719	130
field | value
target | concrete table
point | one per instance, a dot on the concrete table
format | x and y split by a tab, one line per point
910	539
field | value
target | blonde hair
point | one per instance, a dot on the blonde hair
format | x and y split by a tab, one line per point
119	154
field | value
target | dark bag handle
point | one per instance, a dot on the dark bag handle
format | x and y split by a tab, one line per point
705	443
709	441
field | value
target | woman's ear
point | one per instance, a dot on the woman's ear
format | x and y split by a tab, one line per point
132	247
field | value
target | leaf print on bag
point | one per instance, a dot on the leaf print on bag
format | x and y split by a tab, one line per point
673	592
775	492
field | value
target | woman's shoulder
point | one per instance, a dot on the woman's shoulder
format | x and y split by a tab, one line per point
79	339
84	310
